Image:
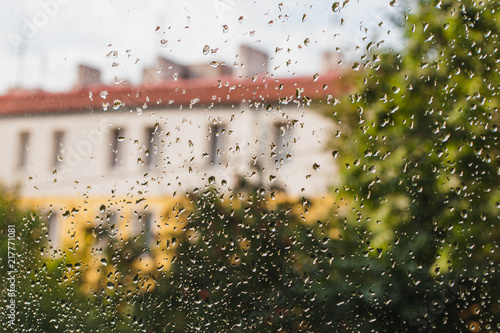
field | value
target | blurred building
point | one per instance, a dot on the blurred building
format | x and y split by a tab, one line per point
186	128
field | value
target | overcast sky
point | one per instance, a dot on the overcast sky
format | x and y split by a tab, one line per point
43	40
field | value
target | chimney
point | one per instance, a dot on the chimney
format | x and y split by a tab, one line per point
330	61
164	70
253	62
207	71
87	77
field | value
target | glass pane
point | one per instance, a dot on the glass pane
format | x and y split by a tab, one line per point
228	166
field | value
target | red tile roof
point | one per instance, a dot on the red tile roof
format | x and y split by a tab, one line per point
227	90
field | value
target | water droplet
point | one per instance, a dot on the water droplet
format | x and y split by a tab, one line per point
445	137
206	49
110	285
117	104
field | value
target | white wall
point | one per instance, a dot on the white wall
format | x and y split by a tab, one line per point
85	167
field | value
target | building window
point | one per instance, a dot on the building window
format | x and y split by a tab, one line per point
58	148
216	141
280	147
24	139
105	231
54	230
117	146
152	151
145	224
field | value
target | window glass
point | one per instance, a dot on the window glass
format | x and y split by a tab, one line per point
249	166
54	230
281	144
23	149
216	141
117	146
58	148
152	151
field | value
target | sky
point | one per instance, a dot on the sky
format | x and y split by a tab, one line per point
43	41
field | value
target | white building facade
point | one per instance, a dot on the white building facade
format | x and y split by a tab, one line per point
168	139
114	161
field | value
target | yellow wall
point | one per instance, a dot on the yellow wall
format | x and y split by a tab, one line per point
83	226
84	229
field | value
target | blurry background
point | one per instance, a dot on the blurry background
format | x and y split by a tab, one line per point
43	40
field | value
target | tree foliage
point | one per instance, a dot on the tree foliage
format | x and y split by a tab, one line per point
40	283
419	153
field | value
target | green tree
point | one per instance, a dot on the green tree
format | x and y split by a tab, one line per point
242	265
45	287
418	245
420	153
